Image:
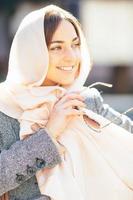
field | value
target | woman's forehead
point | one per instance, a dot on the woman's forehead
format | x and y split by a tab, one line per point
65	31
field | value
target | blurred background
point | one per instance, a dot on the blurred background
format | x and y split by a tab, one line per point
108	27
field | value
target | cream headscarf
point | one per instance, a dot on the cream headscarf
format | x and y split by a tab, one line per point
95	165
28	64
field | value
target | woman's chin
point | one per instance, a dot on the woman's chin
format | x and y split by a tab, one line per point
66	83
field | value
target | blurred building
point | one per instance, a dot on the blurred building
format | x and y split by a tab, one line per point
108	26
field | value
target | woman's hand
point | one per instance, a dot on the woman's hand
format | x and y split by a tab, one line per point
64	110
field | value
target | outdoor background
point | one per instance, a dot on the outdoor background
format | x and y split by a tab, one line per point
108	27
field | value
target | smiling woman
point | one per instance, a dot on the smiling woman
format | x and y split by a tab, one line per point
50	148
64	55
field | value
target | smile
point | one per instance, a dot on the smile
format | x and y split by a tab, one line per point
66	68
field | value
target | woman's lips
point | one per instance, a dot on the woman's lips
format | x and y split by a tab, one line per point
68	69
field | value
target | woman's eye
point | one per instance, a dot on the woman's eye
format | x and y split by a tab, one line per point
76	45
55	48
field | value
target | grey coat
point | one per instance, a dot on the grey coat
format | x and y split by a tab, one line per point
20	160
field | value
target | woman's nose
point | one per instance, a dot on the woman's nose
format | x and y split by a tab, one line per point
70	55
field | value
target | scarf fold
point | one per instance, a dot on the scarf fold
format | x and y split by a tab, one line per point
95	165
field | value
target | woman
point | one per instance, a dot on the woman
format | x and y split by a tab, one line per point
49	62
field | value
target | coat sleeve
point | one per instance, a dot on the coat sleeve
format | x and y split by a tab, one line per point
24	158
94	102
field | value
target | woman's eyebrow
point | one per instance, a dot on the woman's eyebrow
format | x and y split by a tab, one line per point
60	41
57	41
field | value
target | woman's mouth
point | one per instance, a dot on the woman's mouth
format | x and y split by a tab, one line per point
67	69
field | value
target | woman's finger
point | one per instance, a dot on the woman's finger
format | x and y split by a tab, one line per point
74	103
73	112
69	97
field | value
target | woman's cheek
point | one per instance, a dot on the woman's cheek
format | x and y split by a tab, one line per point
54	58
78	55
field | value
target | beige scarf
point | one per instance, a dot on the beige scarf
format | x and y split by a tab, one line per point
94	165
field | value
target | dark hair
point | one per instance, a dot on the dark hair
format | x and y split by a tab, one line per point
52	20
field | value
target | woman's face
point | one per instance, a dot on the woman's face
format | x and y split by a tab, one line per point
64	55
